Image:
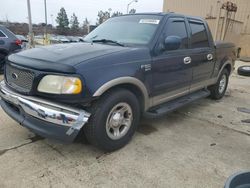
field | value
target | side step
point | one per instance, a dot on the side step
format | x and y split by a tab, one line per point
170	106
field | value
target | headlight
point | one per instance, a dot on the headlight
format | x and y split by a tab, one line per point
60	85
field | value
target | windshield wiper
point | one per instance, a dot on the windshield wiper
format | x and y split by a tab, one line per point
108	41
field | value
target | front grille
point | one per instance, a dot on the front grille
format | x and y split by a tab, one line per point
18	78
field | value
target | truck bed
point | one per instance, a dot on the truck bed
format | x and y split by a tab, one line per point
223	44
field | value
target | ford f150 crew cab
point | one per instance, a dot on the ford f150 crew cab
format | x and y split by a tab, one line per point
128	67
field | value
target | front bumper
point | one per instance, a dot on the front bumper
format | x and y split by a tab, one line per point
43	117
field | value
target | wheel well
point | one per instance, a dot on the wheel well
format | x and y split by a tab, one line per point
228	68
132	88
4	52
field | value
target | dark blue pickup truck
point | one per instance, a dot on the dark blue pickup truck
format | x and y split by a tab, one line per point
128	67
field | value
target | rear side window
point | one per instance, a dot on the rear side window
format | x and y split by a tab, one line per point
177	27
2	34
199	35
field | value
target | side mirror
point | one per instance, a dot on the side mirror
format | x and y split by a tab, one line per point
172	43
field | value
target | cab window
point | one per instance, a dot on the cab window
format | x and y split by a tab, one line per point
199	37
177	27
2	35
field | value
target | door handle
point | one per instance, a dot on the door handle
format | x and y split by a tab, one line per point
210	57
187	60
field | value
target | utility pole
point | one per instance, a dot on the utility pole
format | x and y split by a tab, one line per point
52	20
31	41
110	9
130	4
46	22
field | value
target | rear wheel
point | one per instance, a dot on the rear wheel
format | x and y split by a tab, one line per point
114	120
218	90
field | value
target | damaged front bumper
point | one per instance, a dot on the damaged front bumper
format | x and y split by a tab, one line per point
43	117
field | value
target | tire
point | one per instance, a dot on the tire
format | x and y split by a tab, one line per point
218	90
100	127
244	70
245	59
2	58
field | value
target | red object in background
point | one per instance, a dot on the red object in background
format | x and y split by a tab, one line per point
18	42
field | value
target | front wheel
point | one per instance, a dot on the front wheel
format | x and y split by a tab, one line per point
218	90
2	57
114	120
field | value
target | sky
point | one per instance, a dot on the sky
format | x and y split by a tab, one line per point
16	10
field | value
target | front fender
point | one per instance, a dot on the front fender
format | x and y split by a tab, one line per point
124	80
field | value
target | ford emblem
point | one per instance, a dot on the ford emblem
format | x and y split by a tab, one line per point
14	76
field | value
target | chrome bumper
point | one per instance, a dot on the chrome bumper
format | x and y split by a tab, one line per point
47	111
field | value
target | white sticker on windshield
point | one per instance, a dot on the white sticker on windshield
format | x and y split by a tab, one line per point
149	21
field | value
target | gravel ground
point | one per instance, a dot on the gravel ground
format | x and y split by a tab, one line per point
199	145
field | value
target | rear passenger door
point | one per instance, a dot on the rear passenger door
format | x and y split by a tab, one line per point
202	54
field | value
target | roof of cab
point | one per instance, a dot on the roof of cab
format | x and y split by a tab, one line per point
168	13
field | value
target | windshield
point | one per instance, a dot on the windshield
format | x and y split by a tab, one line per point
134	29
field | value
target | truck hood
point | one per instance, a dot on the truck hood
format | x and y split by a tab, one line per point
67	55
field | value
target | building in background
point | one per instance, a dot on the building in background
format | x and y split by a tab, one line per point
238	29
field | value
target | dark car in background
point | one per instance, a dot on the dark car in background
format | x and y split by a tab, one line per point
24	41
9	43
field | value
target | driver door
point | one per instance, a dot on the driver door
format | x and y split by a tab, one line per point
172	70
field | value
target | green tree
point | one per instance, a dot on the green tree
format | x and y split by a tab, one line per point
62	20
102	17
117	13
132	11
74	22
